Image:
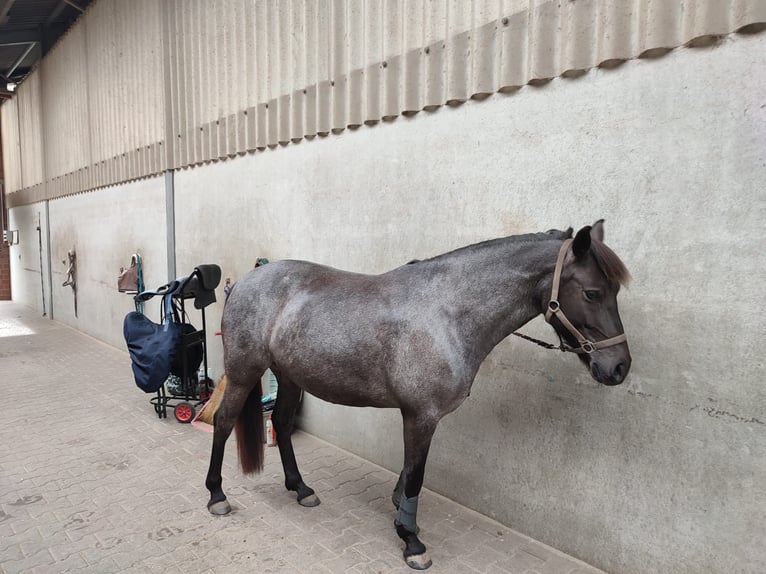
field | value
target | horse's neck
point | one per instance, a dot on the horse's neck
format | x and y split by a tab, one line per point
500	289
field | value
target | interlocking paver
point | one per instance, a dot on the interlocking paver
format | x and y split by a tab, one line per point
92	481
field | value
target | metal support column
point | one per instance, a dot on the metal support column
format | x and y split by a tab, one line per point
48	249
170	219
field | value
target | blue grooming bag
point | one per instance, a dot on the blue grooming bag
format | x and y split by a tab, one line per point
152	347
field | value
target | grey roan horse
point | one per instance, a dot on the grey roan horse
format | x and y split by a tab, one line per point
410	339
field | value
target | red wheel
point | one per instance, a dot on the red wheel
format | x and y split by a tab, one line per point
184	412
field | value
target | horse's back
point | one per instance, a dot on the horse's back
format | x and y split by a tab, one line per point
274	284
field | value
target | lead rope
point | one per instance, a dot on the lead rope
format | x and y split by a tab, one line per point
139	283
539	342
554	297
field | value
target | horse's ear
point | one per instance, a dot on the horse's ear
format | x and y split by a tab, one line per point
581	243
568	233
597	231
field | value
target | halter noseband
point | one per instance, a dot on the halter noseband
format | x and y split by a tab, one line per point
554	309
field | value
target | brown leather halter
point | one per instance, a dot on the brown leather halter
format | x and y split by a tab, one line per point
554	309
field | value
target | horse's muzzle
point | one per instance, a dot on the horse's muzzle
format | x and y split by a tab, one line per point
610	376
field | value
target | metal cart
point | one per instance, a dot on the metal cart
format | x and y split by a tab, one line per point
192	386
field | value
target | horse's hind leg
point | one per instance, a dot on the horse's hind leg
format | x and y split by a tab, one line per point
234	399
418	431
283	419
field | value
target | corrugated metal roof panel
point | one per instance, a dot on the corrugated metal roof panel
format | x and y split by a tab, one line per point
66	105
307	68
31	131
239	75
9	120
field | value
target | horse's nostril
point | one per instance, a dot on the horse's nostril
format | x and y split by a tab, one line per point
620	371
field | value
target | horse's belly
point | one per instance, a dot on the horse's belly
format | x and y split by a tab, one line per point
347	390
351	399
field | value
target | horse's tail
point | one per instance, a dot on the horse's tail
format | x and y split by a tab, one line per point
250	435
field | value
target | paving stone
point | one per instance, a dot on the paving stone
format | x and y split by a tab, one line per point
95	482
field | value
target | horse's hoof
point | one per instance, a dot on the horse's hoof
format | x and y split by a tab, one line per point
220	508
309	501
418	561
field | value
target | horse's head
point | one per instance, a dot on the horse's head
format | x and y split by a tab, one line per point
583	306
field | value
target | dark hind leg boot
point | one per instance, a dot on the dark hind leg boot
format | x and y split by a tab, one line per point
415	554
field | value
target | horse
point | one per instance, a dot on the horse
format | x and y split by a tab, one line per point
410	339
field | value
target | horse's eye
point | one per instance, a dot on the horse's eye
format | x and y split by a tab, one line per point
592	294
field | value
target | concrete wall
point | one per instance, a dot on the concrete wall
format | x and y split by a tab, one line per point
30	285
663	474
660	475
104	228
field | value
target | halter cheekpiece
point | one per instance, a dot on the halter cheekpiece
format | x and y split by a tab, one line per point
554	309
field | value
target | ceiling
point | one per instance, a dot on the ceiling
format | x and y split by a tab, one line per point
28	30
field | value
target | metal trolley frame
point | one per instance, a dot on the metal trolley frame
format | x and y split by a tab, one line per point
195	388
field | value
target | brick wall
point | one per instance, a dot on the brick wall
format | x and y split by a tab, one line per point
5	272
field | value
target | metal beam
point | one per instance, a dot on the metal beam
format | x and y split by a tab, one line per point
20	37
5	7
75	6
170	222
55	13
12	69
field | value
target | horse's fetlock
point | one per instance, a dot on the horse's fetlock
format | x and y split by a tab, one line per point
216	497
303	490
306	496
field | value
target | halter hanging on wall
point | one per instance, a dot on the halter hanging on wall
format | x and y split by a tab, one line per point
71	275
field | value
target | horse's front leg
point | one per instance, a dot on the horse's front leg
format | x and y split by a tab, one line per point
283	419
418	431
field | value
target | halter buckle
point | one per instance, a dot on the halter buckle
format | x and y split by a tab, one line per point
554	306
587	347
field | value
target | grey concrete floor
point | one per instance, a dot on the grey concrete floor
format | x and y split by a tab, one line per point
92	481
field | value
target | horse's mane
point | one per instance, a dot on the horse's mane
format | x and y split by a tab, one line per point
489	243
609	263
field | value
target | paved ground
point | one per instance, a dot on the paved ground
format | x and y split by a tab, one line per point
92	481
